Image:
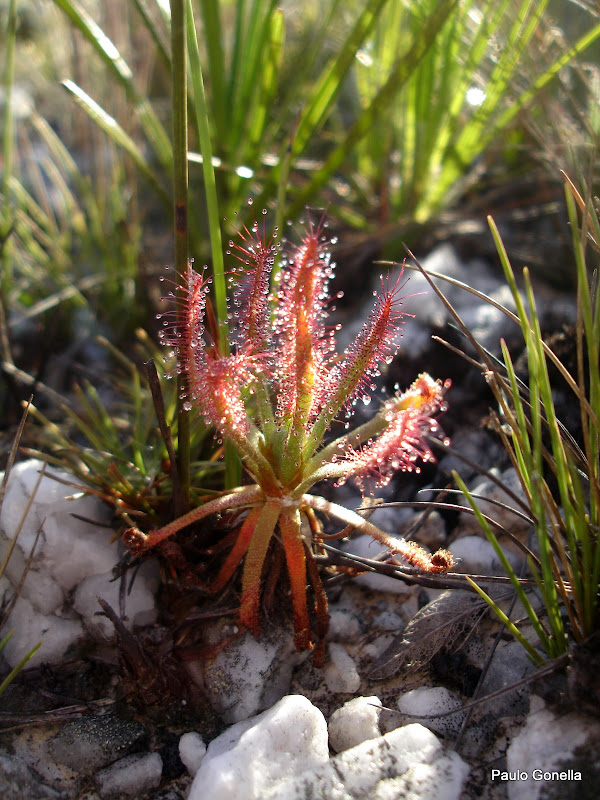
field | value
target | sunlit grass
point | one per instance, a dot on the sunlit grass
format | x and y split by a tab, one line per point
366	107
559	476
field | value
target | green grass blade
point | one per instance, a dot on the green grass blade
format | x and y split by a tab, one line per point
159	37
210	187
237	51
456	87
546	77
214	42
532	652
268	85
490	119
304	63
493	540
102	418
250	79
588	332
526	22
116	133
38	216
179	101
15	671
6	276
9	77
111	57
405	67
532	469
331	80
232	465
520	431
67	163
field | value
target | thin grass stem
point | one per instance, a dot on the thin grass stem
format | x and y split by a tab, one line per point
232	464
180	201
7	149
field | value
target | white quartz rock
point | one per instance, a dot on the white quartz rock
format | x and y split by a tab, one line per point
344	625
140	608
341	674
192	751
416	336
487	491
354	723
432	700
282	755
255	755
43	592
132	776
249	674
69	549
548	745
30	627
75	549
406	763
366	547
476	556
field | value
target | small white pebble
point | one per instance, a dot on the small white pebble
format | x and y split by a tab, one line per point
140	606
354	723
378	646
249	760
344	626
432	700
341	674
132	776
55	633
191	751
365	546
388	621
476	555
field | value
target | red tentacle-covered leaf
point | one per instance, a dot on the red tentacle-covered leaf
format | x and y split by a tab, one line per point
214	381
238	551
289	525
139	542
251	310
405	440
376	344
216	386
183	325
254	563
304	342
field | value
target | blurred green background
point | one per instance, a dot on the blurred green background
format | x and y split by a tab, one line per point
406	121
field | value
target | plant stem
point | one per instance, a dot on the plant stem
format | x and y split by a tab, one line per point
208	171
232	464
180	199
7	147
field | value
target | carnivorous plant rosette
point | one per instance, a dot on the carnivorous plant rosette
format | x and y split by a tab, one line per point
275	398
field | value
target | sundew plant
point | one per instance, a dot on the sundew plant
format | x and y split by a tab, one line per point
274	391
